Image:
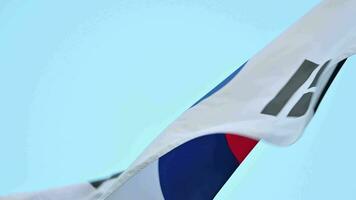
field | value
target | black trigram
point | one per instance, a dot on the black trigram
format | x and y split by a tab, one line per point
275	106
96	184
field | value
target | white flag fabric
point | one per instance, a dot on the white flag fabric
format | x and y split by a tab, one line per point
271	97
79	192
84	191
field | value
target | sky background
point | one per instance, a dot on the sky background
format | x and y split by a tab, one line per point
86	85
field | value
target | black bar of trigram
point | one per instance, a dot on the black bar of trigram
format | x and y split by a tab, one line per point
298	79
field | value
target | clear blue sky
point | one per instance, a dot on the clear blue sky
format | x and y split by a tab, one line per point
86	85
